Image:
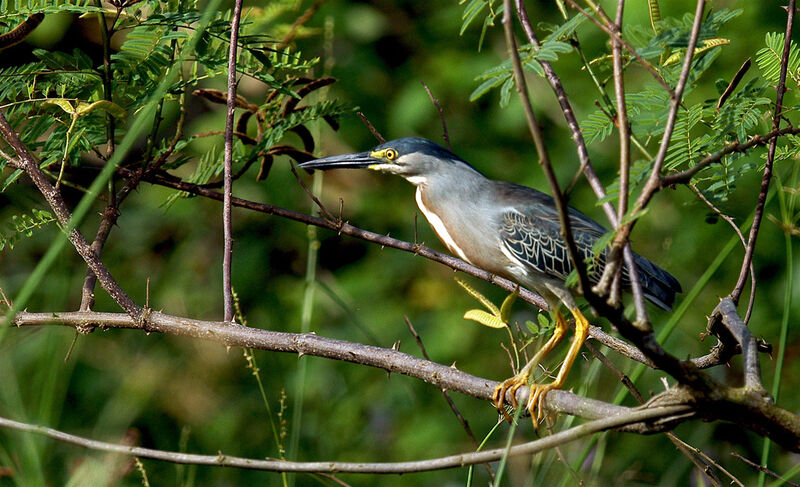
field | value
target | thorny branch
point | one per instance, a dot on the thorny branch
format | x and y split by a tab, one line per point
745	406
653	183
580	144
394	361
53	197
541	150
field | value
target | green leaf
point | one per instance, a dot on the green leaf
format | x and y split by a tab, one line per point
769	58
62	103
111	108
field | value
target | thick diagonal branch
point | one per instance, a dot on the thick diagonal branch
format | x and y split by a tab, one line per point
541	149
56	202
580	144
654	180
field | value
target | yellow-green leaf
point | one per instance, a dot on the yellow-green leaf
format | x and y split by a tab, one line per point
655	15
62	103
707	44
111	108
480	297
505	308
484	318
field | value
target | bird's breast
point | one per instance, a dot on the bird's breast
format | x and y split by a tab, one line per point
439	227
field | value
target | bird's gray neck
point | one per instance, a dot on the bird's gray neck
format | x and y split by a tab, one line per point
448	176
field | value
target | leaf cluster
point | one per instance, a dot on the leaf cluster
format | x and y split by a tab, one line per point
740	111
43	99
23	225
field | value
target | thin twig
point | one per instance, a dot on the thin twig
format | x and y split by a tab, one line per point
611	33
227	224
701	455
299	22
313	197
561	458
453	461
773	143
740	147
541	149
764	469
371	128
623	378
6	301
736	229
435	102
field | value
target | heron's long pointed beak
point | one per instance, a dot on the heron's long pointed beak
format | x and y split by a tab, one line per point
344	161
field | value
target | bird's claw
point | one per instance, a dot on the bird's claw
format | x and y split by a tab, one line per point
535	403
508	385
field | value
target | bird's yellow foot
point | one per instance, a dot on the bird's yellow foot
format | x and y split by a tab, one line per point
509	385
535	404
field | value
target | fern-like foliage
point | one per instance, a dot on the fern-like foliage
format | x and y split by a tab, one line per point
23	225
684	146
15	11
769	59
503	76
43	99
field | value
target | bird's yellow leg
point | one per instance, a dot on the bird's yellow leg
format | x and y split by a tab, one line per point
539	391
522	377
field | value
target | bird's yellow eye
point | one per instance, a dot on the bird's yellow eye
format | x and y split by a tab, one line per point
390	154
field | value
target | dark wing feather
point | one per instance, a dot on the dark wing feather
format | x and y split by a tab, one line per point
537	243
531	233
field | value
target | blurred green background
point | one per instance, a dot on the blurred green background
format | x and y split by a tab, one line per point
179	394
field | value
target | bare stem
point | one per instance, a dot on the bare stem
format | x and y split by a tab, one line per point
56	202
580	144
541	149
776	124
654	181
453	461
227	226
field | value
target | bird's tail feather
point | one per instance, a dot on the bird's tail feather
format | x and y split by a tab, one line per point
658	285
